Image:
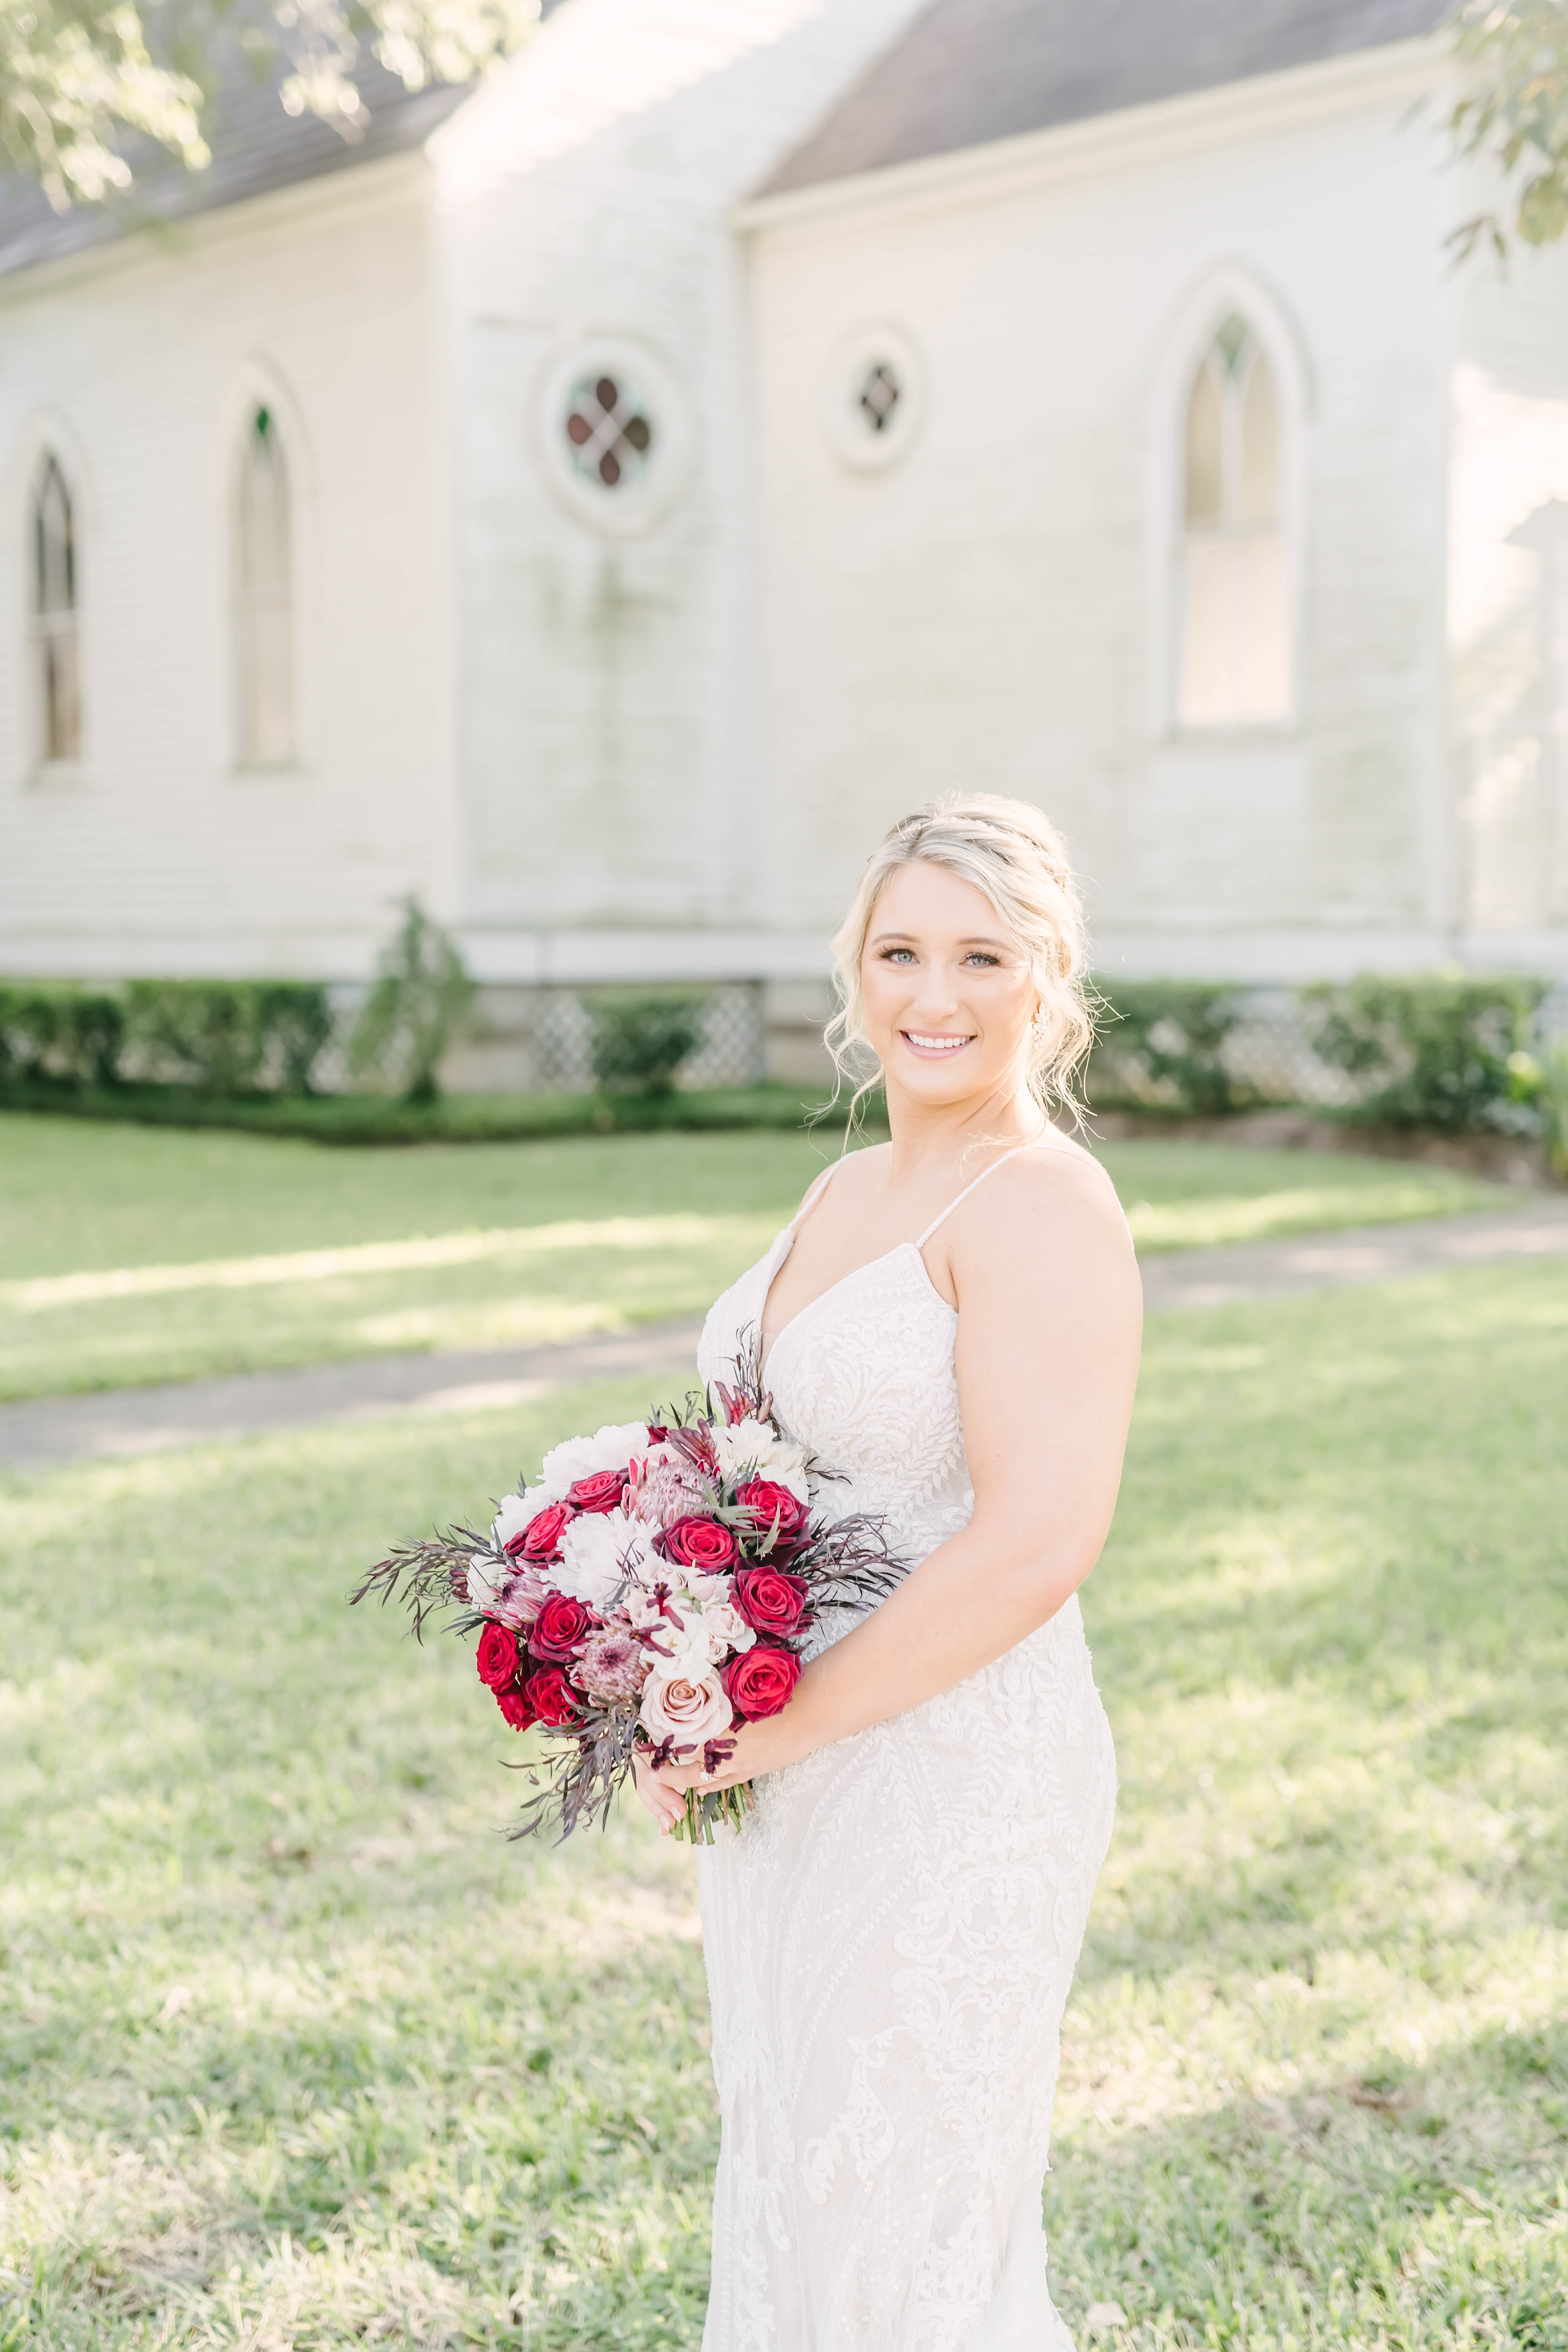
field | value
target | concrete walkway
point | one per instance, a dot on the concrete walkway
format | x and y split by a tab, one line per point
187	1412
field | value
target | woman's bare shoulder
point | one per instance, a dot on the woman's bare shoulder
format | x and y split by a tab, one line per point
1058	1188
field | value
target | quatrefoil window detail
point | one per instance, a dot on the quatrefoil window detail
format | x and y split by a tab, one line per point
609	431
879	394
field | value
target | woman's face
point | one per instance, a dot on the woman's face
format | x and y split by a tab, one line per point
949	996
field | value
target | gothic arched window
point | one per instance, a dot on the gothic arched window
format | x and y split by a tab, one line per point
264	597
1233	667
57	633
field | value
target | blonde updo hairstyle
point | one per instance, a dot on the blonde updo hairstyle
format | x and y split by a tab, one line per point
1014	856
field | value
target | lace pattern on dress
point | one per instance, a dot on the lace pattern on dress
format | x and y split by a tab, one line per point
891	1939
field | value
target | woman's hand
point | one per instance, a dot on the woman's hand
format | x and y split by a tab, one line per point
756	1749
664	1800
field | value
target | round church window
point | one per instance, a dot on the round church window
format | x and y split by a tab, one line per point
614	433
872	397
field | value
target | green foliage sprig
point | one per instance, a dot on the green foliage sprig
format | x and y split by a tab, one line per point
1513	55
81	81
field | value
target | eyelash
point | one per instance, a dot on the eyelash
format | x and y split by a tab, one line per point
976	955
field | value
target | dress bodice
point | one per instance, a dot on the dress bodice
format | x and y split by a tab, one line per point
863	1377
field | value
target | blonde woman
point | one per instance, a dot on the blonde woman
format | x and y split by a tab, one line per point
952	1324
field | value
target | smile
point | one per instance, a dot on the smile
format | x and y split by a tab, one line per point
923	1044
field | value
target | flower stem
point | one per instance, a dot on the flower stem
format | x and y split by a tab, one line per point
729	1805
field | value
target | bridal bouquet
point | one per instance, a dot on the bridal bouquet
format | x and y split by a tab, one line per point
650	1592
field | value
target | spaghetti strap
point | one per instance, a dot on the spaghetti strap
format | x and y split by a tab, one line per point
815	1192
1040	1142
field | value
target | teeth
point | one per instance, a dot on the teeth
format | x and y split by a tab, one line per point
942	1044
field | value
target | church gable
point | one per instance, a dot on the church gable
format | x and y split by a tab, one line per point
971	71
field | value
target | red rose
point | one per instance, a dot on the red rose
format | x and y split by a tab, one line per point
561	1625
701	1544
541	1540
497	1654
550	1696
602	1492
514	1705
768	1503
759	1681
769	1601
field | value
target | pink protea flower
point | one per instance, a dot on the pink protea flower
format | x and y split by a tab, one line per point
670	1491
612	1665
518	1600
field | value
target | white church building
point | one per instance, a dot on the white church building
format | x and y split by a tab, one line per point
602	500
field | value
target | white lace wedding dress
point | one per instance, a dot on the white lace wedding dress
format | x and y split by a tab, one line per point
890	1938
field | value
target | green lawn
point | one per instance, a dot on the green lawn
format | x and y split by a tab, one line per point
134	1254
298	2053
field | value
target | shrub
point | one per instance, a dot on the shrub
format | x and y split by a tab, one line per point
1542	1083
640	1042
56	1030
296	1017
1164	1040
1439	1043
214	1036
205	1034
417	1009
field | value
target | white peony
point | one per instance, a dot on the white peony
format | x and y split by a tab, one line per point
750	1448
687	1708
485	1577
596	1551
610	1448
684	1642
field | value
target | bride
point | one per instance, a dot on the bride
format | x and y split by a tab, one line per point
951	1323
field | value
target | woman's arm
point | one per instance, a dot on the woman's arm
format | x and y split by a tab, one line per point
1049	1319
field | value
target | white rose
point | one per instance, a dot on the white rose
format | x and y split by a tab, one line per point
687	1708
683	1643
596	1551
645	1612
727	1629
614	1447
750	1448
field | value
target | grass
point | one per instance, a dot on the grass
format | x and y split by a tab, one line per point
131	1254
298	2053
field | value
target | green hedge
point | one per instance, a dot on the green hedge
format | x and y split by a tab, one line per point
1440	1050
450	1118
51	1030
1161	1043
213	1036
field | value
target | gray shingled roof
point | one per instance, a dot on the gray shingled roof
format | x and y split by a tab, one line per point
972	71
256	147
